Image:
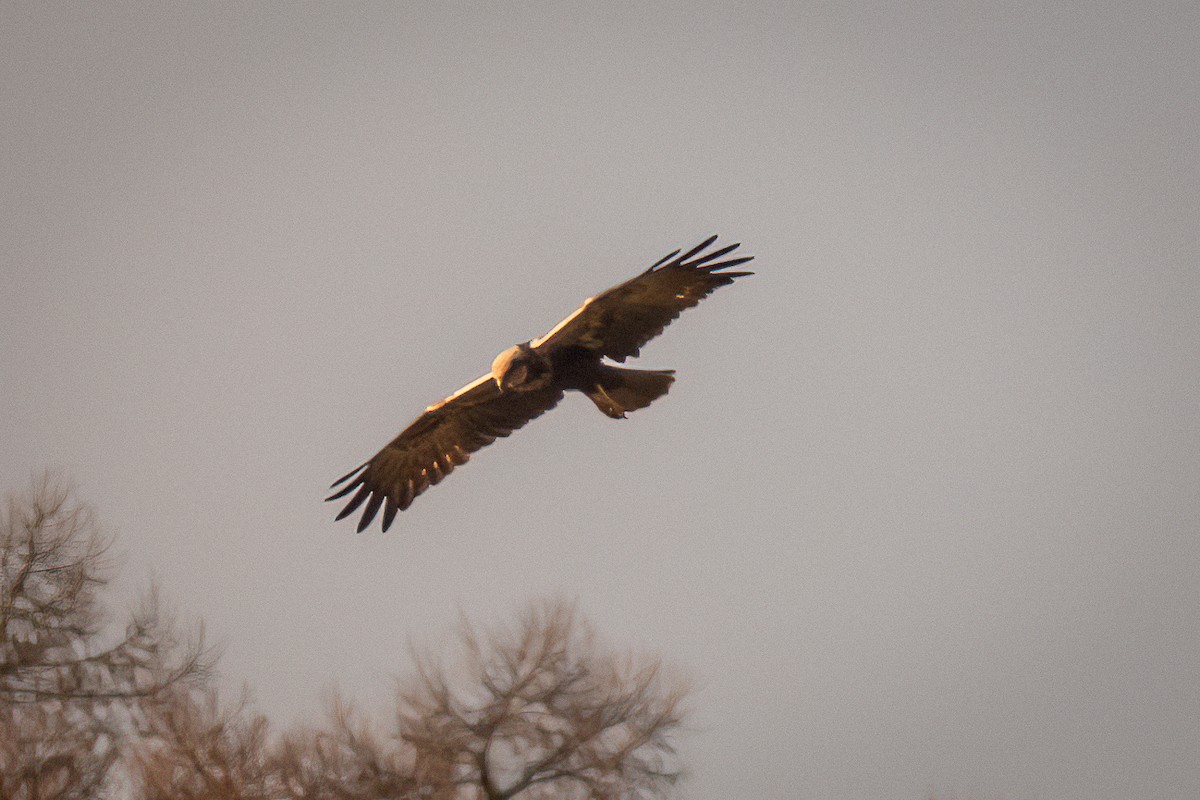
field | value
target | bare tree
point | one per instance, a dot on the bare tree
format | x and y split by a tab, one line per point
67	696
51	753
346	761
196	750
536	711
543	711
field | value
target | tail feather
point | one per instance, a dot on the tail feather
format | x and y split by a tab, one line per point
620	389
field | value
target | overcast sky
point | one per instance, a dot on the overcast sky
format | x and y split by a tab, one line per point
920	513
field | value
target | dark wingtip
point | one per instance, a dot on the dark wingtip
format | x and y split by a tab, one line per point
733	262
370	511
347	477
696	249
663	260
350	487
356	501
714	255
389	513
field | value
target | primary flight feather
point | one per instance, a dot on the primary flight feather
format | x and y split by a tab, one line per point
529	379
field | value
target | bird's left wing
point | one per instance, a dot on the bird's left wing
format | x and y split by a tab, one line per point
617	322
435	443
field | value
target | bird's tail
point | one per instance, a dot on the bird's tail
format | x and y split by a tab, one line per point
618	389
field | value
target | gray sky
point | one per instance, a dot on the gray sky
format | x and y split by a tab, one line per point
920	513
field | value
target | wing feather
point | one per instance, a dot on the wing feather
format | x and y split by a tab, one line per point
434	444
618	322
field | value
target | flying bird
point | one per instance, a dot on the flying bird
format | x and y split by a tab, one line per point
529	379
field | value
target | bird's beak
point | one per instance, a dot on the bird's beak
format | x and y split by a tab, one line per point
499	383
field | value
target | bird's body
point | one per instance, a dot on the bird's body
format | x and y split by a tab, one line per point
614	390
528	379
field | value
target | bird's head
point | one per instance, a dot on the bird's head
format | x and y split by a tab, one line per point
520	368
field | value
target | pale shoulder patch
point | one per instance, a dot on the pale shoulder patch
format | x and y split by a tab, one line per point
538	342
482	379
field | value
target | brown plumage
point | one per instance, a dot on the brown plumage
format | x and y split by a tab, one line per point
529	379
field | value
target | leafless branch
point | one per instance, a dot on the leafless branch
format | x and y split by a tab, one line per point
67	698
542	710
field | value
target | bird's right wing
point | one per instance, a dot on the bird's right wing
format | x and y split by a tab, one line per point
617	322
435	443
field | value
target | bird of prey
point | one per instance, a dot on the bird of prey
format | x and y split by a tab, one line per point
528	379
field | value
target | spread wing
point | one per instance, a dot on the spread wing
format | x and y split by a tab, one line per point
619	321
438	441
